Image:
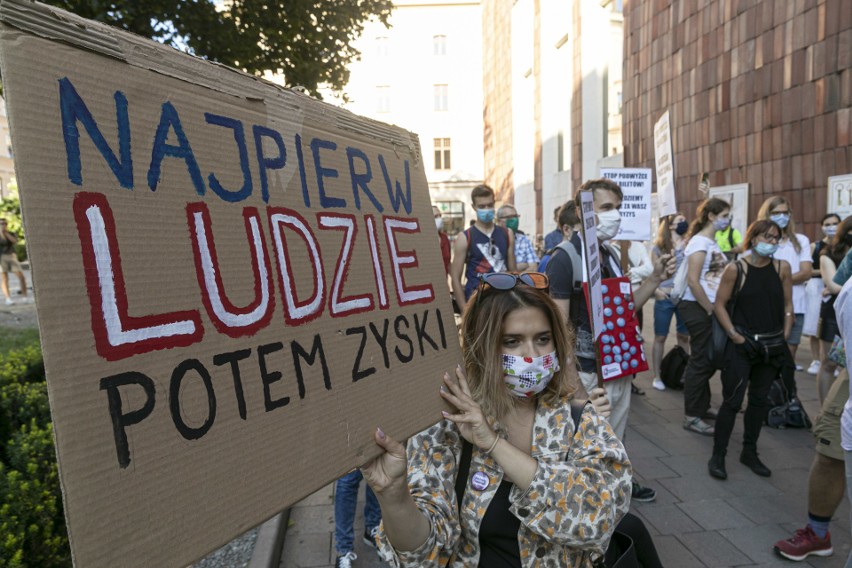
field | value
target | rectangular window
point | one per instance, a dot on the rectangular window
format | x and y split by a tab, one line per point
382	46
383	103
439	45
442	153
441	97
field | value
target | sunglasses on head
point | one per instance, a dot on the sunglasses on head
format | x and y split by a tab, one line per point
504	281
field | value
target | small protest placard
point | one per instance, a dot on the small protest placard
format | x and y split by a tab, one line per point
840	195
593	261
664	161
620	344
635	185
235	284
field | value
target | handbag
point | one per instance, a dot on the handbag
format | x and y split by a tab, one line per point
719	340
679	283
837	353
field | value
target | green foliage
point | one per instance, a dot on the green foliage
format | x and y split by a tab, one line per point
32	521
308	41
10	209
12	339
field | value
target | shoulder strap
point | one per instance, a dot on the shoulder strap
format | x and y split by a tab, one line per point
467	254
738	283
464	470
731	236
576	262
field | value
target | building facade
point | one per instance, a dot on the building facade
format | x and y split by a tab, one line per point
425	75
759	96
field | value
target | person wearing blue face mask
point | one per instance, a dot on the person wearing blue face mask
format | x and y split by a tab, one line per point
481	249
795	248
814	288
757	322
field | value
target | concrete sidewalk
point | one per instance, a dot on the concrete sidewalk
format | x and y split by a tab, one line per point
696	521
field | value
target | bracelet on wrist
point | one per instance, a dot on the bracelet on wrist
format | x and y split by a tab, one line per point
494	445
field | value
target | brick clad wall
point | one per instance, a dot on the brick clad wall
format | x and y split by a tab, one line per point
760	92
497	96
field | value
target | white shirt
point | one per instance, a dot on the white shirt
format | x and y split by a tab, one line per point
711	271
786	251
843	309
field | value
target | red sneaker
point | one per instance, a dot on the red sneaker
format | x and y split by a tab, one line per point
804	543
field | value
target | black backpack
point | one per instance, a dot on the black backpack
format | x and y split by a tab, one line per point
785	411
673	366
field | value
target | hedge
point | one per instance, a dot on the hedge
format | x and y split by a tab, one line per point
32	521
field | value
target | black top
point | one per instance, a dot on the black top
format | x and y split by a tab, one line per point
760	302
818	246
498	533
560	272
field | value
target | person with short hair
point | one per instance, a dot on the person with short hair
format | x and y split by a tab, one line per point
525	257
554	237
481	249
9	263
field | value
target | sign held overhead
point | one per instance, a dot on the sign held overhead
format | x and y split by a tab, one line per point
236	284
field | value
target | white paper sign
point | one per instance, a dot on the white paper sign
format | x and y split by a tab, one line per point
840	195
635	184
593	261
664	160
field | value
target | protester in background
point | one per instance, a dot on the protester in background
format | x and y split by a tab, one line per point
525	257
9	263
671	239
345	502
481	249
705	263
795	248
843	309
830	258
567	292
814	288
442	235
730	242
761	320
568	224
536	505
554	237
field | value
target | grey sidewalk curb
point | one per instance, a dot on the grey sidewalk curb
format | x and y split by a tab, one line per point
270	541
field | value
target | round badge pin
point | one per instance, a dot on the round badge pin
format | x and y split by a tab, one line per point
479	481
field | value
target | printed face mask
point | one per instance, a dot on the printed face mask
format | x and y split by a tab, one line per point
528	376
830	230
721	223
485	215
780	219
765	249
608	224
681	228
439	222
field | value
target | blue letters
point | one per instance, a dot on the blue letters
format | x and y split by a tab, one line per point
264	163
360	180
322	172
305	195
169	119
73	109
240	139
396	198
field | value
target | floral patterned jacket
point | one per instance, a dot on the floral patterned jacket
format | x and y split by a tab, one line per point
580	491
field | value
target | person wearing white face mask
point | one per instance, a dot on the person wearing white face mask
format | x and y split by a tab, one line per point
795	248
566	278
814	288
705	263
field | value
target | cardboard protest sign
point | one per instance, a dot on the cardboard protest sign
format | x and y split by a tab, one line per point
664	162
620	343
635	184
236	284
592	264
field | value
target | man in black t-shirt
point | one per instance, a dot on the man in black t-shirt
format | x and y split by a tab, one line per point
567	293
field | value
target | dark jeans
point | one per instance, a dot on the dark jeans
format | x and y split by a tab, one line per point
742	373
345	502
696	378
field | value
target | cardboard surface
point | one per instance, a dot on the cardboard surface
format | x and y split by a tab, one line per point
635	184
236	284
664	163
592	258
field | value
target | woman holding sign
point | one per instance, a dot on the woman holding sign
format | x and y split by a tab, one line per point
538	490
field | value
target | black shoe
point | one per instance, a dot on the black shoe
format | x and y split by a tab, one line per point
642	494
636	390
750	460
370	537
716	467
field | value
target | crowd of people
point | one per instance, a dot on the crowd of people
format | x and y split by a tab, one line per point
521	473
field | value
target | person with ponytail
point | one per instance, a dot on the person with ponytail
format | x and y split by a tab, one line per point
671	239
704	271
757	324
795	248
